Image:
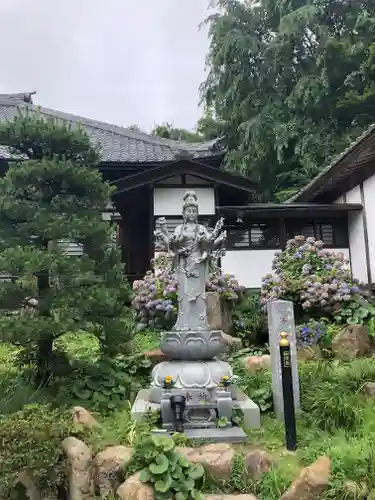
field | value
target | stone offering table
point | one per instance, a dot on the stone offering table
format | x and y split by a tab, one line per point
193	390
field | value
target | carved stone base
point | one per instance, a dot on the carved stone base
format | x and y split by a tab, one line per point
191	378
192	345
241	403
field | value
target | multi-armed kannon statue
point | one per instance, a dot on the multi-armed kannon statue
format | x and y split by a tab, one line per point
193	376
192	248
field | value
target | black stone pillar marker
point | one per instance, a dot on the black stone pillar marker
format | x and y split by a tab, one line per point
288	398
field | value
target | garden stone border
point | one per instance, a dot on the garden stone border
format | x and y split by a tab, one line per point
87	472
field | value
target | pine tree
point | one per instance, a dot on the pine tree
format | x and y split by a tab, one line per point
56	194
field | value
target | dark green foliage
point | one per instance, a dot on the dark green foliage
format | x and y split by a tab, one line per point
167	470
258	387
168	131
56	194
250	322
110	383
331	395
31	439
292	84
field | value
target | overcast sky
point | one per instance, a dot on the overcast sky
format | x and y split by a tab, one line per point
121	61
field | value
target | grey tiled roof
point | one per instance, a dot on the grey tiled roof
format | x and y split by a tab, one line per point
117	144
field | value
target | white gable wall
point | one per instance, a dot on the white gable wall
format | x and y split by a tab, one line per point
362	258
356	237
369	213
248	266
169	201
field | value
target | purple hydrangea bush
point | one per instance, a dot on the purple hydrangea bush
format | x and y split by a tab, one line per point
318	281
316	331
311	333
155	296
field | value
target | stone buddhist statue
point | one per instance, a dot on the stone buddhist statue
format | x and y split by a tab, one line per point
191	247
191	387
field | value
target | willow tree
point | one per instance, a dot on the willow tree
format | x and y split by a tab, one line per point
292	82
54	194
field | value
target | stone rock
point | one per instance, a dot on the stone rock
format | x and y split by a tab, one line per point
368	388
83	417
107	464
246	496
156	356
81	486
232	344
218	313
257	463
31	490
352	342
256	363
134	489
307	353
311	482
355	490
216	458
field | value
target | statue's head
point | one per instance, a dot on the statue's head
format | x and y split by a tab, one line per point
190	207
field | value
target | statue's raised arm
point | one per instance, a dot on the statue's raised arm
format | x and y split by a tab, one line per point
162	237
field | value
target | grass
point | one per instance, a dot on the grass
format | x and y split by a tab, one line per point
146	341
336	419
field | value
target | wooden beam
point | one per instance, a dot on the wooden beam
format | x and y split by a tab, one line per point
365	234
194	168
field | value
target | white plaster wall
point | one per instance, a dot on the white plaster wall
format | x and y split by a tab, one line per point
168	201
249	266
356	236
357	246
369	203
344	251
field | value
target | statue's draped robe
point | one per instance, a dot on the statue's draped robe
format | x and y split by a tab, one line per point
192	278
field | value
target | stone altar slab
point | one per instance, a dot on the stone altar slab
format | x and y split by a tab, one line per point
250	410
227	435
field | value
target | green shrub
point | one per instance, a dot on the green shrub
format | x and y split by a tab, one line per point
250	322
258	388
168	471
146	340
109	383
31	439
57	194
330	392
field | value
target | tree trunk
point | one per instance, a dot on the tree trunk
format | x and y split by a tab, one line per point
45	342
43	360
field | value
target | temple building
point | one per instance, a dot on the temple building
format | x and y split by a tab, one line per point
151	175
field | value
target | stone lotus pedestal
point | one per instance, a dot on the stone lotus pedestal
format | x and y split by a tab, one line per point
197	376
